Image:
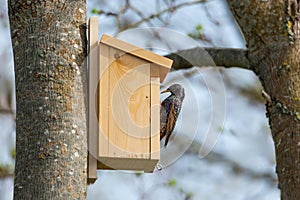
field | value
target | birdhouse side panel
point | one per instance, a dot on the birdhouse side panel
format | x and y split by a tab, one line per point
155	119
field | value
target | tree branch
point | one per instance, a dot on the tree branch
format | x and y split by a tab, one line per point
157	15
142	18
210	57
6	171
237	167
7	112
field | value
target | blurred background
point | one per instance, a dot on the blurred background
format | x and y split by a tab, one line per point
221	147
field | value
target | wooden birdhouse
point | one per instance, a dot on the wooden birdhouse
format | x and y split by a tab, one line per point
124	104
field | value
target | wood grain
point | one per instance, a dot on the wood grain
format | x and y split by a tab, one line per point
163	62
129	106
93	79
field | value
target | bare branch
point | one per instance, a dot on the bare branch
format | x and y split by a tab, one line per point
6	171
210	57
7	112
142	18
158	14
214	157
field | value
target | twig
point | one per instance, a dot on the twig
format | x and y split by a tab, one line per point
144	18
156	15
6	171
7	112
217	157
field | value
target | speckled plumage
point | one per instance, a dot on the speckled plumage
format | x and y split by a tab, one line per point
169	111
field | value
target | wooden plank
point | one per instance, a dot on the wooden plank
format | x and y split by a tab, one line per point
93	121
139	110
127	164
163	62
155	117
104	92
129	121
117	140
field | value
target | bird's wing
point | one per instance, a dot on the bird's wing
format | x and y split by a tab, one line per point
172	117
163	120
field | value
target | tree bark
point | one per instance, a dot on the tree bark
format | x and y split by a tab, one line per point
49	49
272	30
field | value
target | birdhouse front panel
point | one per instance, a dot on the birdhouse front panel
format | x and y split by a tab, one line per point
129	106
125	105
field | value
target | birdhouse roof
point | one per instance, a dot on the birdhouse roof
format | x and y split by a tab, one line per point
163	63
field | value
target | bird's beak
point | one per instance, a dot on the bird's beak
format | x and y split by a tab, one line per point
165	91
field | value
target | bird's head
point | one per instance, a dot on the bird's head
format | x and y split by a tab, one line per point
177	90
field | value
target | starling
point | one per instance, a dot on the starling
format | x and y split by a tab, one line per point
169	111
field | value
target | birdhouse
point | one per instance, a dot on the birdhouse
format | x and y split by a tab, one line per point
124	104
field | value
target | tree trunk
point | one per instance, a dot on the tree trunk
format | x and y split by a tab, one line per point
271	30
49	48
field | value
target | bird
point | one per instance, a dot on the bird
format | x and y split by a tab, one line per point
169	111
